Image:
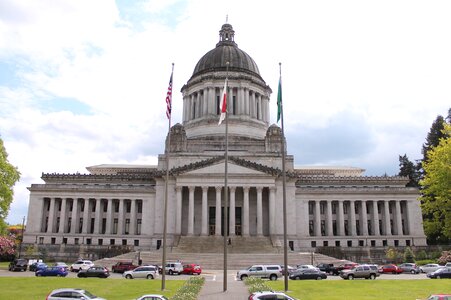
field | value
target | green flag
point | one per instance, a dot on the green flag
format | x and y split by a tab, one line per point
279	100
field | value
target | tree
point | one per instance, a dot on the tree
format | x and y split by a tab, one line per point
9	175
409	257
436	194
409	169
7	247
434	136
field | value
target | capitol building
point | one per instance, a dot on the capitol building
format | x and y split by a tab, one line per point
123	205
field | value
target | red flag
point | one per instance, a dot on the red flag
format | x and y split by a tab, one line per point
169	99
223	104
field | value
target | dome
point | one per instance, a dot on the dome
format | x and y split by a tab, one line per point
226	51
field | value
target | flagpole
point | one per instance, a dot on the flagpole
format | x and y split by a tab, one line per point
226	227
168	147
284	184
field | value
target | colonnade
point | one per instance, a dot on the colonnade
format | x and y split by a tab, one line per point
92	216
241	101
358	218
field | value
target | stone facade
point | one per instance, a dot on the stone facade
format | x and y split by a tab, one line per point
123	205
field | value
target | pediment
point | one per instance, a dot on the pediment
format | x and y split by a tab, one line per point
219	169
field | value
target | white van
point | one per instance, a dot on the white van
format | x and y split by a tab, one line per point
173	268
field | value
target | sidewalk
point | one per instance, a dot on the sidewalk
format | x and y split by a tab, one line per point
214	286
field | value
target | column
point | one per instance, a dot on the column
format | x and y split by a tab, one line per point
74	217
352	218
341	219
191	211
375	219
317	216
84	228
97	219
398	218
245	211
51	215
259	212
204	229
178	210
120	217
364	219
218	211
133	220
204	102
109	217
329	226
387	218
246	101
272	210
232	211
63	220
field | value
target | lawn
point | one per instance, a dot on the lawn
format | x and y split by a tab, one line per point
363	289
18	288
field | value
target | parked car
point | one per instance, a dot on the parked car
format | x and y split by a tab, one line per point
71	294
173	268
440	273
148	272
37	266
61	264
308	274
52	271
95	271
270	295
440	297
430	268
290	269
152	297
346	266
390	269
361	271
122	266
18	264
272	272
409	268
327	268
306	267
191	269
81	264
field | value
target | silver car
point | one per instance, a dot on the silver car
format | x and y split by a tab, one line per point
430	268
71	294
147	272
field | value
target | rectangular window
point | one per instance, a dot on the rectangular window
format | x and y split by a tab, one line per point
103	225
93	206
127	226
88	241
112	241
128	206
322	207
116	206
310	228
234	105
91	229
334	227
310	208
140	206
136	243
345	208
346	227
323	227
53	241
124	242
334	208
57	229
69	224
357	227
138	227
76	241
41	240
105	206
115	223
82	206
80	226
64	241
100	242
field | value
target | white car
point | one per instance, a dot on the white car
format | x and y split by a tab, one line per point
81	265
152	297
174	268
307	267
74	294
270	295
148	272
430	268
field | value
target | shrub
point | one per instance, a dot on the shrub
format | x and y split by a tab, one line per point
190	289
409	257
423	262
256	284
446	257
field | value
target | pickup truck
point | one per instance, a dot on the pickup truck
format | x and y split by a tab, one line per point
121	267
272	272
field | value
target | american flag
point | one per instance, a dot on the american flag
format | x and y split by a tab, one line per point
169	98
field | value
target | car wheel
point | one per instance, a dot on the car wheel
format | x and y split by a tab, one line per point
170	272
128	276
319	278
350	277
38	274
243	277
273	277
438	277
149	276
372	276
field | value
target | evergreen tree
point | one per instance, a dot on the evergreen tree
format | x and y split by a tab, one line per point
409	257
409	169
434	136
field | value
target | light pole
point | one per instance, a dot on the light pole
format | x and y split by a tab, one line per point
21	238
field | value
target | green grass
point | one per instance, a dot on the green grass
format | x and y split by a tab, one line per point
363	289
18	288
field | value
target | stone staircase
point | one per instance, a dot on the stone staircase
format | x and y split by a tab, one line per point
208	253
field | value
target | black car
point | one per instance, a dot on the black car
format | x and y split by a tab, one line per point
327	268
95	271
19	264
308	274
440	273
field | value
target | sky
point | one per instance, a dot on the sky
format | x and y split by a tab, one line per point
83	83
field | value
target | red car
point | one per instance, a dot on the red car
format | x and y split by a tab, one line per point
391	269
121	267
191	269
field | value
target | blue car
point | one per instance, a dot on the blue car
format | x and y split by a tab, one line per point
52	271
